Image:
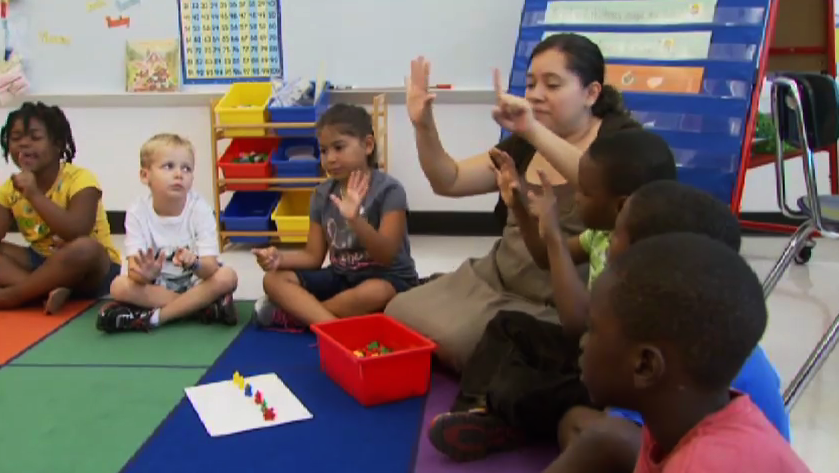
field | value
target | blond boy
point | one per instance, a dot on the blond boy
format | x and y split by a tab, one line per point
172	249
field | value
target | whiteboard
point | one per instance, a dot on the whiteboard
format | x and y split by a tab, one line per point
361	43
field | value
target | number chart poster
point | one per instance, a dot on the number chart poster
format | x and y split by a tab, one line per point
227	41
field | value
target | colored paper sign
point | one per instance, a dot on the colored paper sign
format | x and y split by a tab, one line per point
676	46
118	21
123	5
95	5
49	38
836	32
657	79
635	12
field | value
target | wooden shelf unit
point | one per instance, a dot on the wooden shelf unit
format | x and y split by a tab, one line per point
279	184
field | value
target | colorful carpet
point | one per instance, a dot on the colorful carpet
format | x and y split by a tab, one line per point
99	403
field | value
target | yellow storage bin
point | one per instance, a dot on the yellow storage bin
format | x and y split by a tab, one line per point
292	216
244	104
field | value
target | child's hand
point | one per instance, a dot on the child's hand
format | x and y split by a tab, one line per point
350	204
543	207
184	258
511	112
57	243
417	98
269	259
25	183
148	265
506	175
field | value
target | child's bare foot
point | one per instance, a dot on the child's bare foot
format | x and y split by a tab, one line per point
56	299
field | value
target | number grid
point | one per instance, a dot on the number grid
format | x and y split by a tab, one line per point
225	41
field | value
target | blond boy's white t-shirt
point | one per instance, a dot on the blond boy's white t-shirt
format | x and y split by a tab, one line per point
194	229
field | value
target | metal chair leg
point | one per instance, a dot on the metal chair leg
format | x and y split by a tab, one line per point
796	242
811	367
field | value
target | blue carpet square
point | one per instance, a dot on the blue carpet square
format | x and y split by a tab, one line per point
343	436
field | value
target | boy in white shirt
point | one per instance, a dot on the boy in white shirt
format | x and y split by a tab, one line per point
172	249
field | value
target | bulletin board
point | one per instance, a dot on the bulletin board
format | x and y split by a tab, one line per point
78	47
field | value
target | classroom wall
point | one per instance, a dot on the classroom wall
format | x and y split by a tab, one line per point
109	139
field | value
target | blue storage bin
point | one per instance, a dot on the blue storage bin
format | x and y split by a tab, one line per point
299	114
285	166
250	211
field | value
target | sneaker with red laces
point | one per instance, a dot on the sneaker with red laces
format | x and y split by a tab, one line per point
221	311
267	315
116	317
472	435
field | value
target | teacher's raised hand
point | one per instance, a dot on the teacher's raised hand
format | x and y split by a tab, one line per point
511	112
417	98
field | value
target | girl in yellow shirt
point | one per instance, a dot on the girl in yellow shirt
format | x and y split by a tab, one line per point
58	209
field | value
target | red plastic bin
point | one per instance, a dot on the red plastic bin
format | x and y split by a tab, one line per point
248	170
403	373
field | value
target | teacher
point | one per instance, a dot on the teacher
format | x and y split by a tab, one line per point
567	106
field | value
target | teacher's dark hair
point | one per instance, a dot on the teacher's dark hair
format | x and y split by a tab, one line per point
585	60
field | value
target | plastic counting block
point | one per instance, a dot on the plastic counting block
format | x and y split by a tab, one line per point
258	398
239	380
248	391
268	414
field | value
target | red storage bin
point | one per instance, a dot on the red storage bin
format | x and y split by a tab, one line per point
403	373
235	170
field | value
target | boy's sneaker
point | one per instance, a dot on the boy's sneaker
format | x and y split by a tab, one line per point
116	317
472	435
221	311
268	315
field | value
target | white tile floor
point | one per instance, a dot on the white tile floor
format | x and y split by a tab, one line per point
801	308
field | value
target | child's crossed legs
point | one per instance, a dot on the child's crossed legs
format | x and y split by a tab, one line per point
173	304
321	295
80	267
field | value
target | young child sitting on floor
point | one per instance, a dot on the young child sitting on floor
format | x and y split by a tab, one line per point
523	374
58	209
172	247
672	322
607	441
357	217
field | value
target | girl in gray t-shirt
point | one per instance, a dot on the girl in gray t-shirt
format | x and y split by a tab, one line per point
357	219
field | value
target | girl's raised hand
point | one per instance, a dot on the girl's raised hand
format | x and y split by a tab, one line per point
417	98
511	112
269	259
350	204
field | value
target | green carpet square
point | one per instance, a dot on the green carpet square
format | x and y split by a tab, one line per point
187	343
83	419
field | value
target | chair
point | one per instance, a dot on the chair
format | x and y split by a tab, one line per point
805	109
